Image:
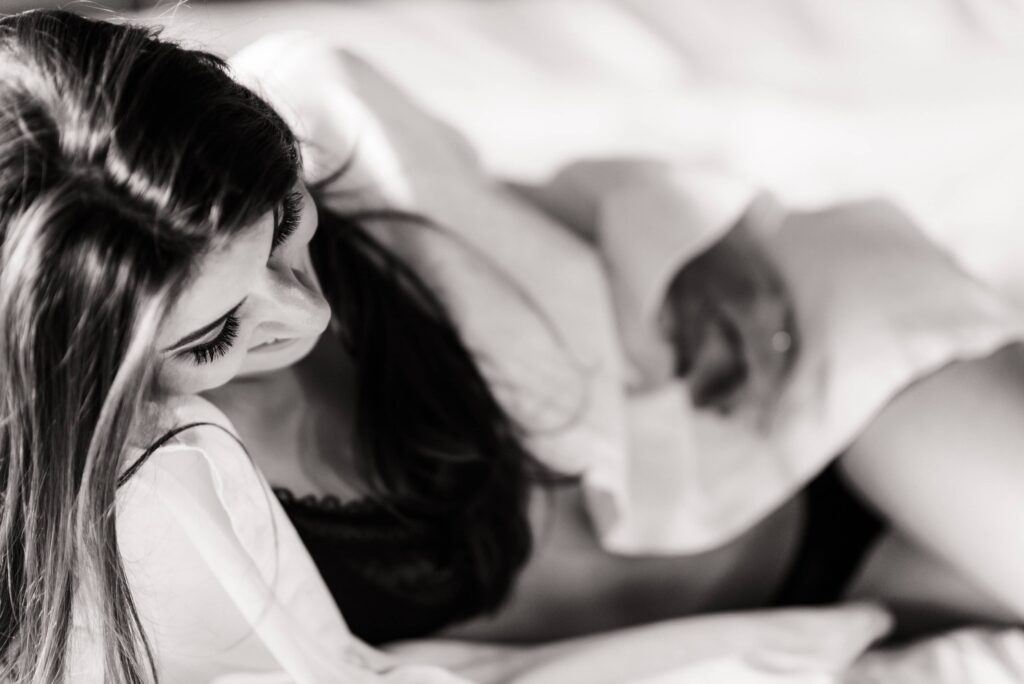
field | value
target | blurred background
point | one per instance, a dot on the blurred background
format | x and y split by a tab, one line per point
99	5
819	101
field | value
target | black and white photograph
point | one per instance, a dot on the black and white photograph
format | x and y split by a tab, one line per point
512	341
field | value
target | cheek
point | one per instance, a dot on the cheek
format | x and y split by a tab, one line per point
182	377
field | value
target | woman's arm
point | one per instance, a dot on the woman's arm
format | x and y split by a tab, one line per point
943	461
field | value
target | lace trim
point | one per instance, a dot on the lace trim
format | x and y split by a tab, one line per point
326	503
327	518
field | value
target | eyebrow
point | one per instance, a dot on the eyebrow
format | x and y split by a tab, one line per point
205	330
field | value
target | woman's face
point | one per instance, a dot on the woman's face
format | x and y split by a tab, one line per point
255	305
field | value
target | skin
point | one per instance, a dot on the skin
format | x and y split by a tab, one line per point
952	438
281	299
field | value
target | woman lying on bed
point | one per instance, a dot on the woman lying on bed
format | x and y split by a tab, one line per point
487	426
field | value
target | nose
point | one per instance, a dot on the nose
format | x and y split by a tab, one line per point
291	304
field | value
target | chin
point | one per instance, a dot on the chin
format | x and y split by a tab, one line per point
260	362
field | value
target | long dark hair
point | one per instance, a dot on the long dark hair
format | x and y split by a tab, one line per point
431	439
123	160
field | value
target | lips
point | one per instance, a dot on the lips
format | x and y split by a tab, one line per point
273	343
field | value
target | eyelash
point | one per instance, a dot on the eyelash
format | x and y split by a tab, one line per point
291	214
213	350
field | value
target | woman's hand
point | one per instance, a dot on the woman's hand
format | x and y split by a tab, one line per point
732	324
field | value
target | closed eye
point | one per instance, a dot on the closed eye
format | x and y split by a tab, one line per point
290	217
208	352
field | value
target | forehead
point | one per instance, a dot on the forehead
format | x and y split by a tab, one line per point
222	279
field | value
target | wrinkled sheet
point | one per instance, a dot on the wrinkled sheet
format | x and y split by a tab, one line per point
818	101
